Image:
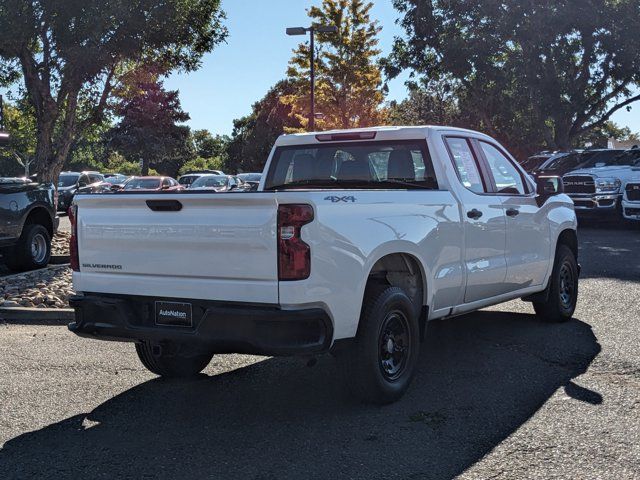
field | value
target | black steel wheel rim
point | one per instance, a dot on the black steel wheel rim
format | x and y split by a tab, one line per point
567	285
394	344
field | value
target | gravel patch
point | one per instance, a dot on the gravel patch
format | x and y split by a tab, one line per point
47	288
60	243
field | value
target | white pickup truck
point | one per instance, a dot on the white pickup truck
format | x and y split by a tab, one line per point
352	243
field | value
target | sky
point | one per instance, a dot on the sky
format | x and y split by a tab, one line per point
239	73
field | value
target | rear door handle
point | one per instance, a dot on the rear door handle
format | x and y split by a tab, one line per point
474	214
513	212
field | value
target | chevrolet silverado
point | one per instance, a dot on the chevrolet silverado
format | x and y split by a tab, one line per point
354	241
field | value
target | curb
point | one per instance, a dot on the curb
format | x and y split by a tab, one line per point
59	259
37	314
30	272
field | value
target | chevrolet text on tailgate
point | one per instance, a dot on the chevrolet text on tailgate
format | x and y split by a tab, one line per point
353	242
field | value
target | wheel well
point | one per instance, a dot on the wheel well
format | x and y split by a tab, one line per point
570	239
40	216
401	270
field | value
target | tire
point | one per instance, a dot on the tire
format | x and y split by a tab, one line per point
563	288
170	360
32	251
388	322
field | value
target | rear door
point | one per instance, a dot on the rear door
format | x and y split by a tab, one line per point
528	245
201	246
484	225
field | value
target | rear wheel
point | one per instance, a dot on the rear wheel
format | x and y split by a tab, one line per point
32	251
171	360
379	366
563	288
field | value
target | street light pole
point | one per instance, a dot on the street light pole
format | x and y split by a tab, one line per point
312	110
312	61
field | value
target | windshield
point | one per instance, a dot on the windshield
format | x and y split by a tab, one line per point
628	158
250	177
113	179
67	180
604	157
143	184
384	165
562	162
187	179
534	162
210	182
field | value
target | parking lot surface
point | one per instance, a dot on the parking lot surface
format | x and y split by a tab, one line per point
499	394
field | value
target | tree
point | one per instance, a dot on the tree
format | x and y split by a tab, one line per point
200	164
149	132
71	54
19	155
208	146
349	81
253	135
429	104
554	70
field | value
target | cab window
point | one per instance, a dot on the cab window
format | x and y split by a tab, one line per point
465	164
507	177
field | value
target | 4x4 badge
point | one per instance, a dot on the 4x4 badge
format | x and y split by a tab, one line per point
335	199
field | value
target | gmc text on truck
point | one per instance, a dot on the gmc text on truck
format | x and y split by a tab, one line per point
352	243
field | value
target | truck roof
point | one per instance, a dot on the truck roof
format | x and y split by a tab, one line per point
381	133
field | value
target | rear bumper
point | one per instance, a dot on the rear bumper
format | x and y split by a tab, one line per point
217	327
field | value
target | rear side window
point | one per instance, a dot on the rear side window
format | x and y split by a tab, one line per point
465	163
384	165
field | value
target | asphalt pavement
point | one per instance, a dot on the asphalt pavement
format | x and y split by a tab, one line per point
499	394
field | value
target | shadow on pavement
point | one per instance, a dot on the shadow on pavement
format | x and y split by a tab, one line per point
480	378
610	250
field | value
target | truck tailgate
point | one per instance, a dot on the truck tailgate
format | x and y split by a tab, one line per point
216	247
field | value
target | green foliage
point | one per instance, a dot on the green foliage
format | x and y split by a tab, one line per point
16	159
531	73
206	145
431	104
200	163
149	133
349	81
72	54
254	135
116	163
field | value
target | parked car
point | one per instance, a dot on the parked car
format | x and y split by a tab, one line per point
70	183
596	187
356	239
252	180
117	181
564	163
28	221
187	179
217	183
151	184
534	161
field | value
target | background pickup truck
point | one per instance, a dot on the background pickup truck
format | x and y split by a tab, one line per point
352	243
27	223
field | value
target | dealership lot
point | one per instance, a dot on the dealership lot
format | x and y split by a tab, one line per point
498	395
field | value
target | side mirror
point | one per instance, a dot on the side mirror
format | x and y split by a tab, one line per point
547	187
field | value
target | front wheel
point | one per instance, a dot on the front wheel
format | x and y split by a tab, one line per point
379	366
563	288
171	360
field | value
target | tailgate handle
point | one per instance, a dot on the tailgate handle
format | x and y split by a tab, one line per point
164	205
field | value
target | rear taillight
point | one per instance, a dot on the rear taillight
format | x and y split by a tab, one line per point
74	259
294	256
